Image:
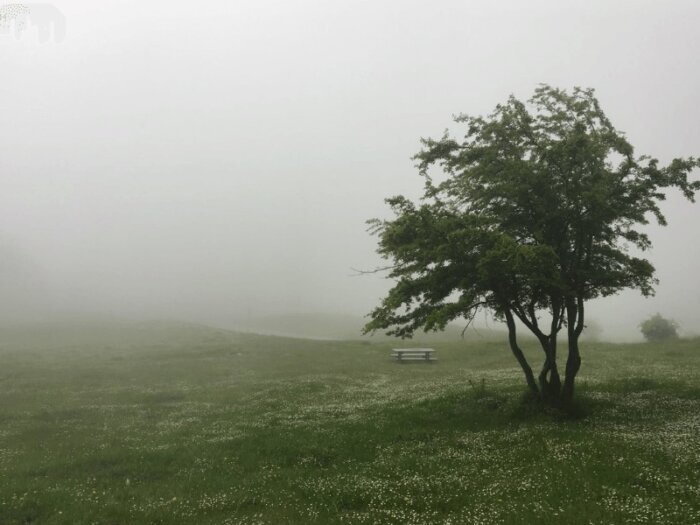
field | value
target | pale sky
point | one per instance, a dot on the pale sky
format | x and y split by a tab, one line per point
209	160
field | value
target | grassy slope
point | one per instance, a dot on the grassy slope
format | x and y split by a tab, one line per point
179	424
349	327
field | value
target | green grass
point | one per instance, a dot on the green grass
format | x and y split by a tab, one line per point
179	424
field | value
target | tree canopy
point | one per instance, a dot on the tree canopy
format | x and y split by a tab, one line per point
530	213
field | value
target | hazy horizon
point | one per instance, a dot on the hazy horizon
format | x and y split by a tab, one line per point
218	162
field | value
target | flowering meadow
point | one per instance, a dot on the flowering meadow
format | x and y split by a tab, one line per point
177	424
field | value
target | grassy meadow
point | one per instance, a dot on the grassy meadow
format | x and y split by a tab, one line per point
179	424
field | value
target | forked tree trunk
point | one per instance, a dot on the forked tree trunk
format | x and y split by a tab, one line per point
550	389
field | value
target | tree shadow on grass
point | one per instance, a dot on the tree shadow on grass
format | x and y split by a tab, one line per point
479	407
668	386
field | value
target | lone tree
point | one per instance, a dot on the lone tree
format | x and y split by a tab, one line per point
658	328
529	214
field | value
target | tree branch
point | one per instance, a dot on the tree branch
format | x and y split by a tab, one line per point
376	270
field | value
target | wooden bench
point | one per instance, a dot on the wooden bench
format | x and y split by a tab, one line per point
413	354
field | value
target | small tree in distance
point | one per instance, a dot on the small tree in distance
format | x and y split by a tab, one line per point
658	328
528	213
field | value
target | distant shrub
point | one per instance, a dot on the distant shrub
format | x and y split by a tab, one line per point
592	331
658	328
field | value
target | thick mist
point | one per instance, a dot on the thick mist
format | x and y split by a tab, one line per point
216	162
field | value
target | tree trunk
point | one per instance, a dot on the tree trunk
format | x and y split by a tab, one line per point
549	379
573	363
518	353
574	313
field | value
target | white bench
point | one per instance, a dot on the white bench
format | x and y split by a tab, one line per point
413	354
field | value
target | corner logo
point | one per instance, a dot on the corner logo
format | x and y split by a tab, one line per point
49	21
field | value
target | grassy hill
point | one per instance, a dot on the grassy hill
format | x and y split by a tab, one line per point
176	424
349	327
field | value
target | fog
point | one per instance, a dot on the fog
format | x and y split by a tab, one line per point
216	162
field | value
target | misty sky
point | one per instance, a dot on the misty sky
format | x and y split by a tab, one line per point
213	160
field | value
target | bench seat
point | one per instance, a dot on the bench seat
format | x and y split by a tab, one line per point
413	354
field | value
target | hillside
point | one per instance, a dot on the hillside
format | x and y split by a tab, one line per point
349	327
178	423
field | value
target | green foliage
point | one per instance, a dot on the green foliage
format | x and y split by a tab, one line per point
535	208
658	328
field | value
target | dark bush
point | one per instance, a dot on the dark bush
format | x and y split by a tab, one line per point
658	328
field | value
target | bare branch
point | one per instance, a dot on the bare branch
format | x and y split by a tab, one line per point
472	311
369	272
